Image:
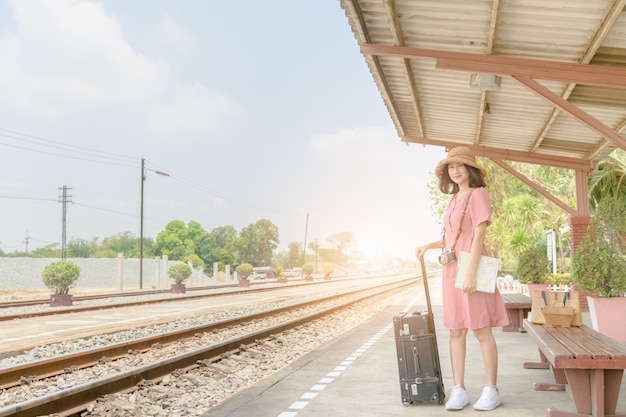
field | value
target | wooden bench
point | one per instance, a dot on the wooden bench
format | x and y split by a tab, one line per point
585	363
517	306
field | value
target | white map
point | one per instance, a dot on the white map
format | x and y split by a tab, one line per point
486	274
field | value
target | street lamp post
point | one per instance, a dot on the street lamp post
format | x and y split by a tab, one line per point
143	179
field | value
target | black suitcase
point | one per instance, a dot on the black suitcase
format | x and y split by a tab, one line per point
418	355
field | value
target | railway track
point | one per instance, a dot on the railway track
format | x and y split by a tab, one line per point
219	291
69	310
73	400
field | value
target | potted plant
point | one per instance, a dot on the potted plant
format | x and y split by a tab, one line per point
307	270
532	269
279	271
60	276
243	272
179	273
599	267
328	270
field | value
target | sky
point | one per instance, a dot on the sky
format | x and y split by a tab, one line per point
255	109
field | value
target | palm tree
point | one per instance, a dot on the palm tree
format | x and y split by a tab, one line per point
609	181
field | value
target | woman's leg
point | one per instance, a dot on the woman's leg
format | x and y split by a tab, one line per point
458	348
489	351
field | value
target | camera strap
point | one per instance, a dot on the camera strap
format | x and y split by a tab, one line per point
458	233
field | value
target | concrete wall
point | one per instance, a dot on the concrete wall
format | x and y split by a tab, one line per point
25	273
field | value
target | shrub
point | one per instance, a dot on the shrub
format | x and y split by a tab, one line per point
328	270
60	276
179	272
598	263
532	267
308	269
279	271
558	279
244	270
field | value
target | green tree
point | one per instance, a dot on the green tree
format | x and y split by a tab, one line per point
257	242
218	246
533	266
609	181
81	248
342	241
195	260
52	250
126	243
175	241
315	248
294	254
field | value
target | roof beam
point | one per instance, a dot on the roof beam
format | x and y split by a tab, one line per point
585	74
534	186
583	117
510	155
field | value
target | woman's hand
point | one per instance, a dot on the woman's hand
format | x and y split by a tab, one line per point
469	284
420	251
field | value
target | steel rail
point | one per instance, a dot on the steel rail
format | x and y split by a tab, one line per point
28	303
73	400
45	368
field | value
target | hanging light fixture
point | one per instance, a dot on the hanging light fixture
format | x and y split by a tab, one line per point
488	82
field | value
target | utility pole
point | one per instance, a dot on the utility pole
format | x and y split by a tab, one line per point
316	250
143	179
306	230
65	198
26	241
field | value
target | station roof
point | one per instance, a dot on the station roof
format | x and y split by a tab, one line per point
560	95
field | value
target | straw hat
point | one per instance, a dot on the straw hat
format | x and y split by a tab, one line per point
462	155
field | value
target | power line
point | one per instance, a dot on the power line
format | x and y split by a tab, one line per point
17	197
61	145
201	187
115	159
101	156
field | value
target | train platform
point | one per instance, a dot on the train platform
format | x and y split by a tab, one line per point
357	375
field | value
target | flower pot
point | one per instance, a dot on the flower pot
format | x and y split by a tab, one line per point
281	280
178	289
308	278
605	314
60	300
244	283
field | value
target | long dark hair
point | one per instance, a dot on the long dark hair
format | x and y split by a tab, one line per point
447	186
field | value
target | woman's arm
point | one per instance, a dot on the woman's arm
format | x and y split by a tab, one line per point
478	241
421	250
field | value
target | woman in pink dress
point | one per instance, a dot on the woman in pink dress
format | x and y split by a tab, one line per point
465	308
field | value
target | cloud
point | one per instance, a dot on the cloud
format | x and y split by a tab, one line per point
369	143
67	59
173	34
191	110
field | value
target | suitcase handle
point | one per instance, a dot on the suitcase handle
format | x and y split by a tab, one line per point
416	360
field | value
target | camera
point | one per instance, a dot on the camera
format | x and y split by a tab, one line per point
447	257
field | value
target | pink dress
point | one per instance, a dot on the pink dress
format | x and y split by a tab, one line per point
478	309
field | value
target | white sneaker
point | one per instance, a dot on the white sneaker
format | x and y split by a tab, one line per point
489	399
458	399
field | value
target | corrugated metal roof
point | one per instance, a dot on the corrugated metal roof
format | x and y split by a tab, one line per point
425	83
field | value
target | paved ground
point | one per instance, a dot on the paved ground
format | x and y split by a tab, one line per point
357	375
